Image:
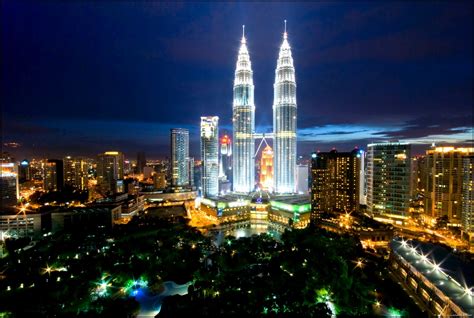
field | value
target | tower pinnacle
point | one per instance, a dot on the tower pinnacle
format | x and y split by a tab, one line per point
243	41
285	35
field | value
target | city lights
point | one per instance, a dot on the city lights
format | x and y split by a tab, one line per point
136	167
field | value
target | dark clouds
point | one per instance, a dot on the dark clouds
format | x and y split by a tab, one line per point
88	77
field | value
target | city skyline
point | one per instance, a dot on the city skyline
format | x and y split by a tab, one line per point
417	63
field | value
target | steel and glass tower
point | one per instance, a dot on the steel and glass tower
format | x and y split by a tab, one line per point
243	120
210	155
284	120
179	157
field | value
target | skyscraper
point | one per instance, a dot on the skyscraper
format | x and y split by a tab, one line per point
210	155
284	120
468	199
243	120
444	166
75	172
24	172
141	161
9	190
266	169
336	181
110	171
389	180
302	176
179	157
53	175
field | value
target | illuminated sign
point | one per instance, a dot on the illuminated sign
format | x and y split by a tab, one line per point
208	202
300	208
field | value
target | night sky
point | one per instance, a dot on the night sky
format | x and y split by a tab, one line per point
82	78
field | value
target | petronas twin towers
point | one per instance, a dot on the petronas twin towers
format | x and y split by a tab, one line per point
284	122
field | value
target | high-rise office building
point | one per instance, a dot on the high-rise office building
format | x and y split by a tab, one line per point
179	157
243	120
9	190
210	155
24	172
335	181
363	178
266	169
302	176
53	175
284	121
468	199
443	193
141	162
76	172
110	172
389	180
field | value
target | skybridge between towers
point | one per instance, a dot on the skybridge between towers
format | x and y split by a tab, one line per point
263	137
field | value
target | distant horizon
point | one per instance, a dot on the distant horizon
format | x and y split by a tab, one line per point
417	149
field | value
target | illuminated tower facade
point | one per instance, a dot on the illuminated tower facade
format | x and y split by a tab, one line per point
335	181
110	172
444	179
266	169
284	121
75	172
179	157
243	121
468	200
9	190
389	180
210	155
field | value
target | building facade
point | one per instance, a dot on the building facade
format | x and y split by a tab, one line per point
53	175
210	155
335	181
243	121
302	179
389	180
24	172
444	179
76	172
284	121
468	199
110	172
9	189
179	157
141	161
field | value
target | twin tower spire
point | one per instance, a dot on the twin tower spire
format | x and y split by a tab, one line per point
284	121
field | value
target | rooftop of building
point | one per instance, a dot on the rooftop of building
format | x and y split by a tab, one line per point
88	209
289	202
442	268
